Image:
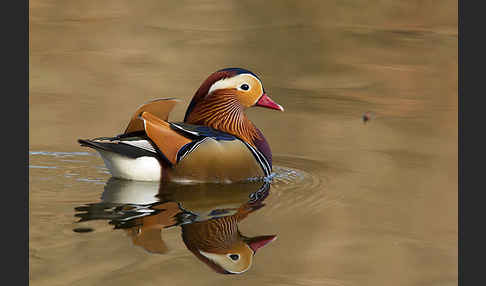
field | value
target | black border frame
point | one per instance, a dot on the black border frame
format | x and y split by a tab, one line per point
15	222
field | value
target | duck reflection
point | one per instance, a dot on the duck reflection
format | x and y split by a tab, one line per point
207	214
219	243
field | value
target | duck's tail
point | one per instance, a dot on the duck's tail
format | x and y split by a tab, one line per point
127	148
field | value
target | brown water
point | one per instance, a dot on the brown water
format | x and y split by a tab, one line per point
351	203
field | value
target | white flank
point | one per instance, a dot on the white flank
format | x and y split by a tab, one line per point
139	169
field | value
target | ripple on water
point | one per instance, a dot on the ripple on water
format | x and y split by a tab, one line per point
301	184
297	183
61	154
42	167
62	166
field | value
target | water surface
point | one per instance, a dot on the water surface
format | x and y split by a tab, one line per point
351	203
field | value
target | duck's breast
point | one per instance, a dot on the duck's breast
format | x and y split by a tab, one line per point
212	160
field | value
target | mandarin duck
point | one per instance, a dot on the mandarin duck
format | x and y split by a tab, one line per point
219	244
216	142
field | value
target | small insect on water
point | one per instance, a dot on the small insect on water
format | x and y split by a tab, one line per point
83	229
367	116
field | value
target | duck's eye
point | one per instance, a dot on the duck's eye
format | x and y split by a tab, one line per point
234	256
245	86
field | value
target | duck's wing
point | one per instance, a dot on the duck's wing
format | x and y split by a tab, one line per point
134	142
159	108
167	140
158	138
175	140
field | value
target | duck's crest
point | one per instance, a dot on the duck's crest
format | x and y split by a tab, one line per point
237	71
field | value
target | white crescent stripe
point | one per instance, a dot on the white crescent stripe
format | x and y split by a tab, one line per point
231	82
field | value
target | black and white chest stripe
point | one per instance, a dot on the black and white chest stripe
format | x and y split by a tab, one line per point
261	159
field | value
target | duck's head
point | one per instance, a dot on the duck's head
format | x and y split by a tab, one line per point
238	257
226	92
218	243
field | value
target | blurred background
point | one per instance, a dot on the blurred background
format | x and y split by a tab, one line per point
373	203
